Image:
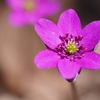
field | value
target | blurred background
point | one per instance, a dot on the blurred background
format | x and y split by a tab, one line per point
19	77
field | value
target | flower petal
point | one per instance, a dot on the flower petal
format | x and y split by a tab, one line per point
15	4
46	59
68	69
48	32
69	22
17	18
91	35
32	17
53	8
91	60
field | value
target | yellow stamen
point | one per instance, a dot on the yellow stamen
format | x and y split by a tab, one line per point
71	47
29	5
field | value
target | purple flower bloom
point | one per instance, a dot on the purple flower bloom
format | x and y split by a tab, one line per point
29	11
69	48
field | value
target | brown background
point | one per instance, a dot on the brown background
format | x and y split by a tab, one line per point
19	77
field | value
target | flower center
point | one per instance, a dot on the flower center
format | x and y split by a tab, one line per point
29	5
71	47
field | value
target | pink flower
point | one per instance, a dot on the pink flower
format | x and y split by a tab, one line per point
69	48
29	11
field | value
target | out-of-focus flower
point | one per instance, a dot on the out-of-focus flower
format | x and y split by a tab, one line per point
29	11
69	48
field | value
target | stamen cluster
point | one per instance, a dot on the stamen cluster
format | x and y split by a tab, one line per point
29	5
70	47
